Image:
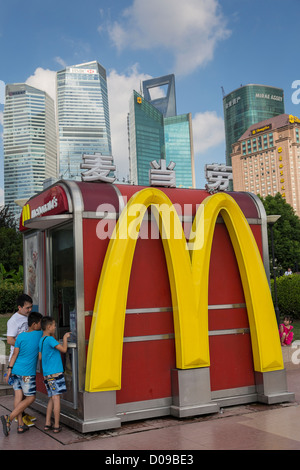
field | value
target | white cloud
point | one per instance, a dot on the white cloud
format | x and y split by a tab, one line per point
60	61
208	131
45	80
189	30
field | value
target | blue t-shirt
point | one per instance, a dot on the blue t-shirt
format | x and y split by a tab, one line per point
51	358
28	344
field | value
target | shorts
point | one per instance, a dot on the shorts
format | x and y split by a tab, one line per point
25	383
55	384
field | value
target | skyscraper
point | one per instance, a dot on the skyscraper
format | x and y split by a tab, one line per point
165	104
156	132
29	140
248	105
82	115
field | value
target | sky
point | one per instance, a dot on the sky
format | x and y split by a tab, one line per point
210	46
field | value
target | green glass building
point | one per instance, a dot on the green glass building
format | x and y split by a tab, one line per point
153	137
246	106
146	138
179	148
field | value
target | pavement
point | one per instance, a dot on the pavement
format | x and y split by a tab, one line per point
247	427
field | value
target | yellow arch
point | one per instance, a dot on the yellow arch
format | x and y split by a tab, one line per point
189	288
106	337
266	348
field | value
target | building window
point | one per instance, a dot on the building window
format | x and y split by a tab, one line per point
271	140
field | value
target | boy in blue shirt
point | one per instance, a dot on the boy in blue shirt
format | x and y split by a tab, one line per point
53	370
22	371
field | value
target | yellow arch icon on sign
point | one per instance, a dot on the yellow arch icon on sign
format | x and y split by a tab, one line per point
188	275
25	213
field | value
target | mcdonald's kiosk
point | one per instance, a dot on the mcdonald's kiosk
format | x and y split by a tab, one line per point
167	318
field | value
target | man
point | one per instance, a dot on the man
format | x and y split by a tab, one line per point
17	324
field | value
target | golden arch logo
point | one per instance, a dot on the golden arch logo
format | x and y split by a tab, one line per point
25	213
188	271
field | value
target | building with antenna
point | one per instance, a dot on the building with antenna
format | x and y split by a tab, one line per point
82	116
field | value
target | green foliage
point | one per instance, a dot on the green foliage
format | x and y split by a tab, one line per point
6	218
11	246
288	295
286	233
9	293
12	275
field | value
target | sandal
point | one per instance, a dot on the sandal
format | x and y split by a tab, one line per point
47	427
6	424
56	429
22	429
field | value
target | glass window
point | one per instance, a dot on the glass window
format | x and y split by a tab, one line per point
63	280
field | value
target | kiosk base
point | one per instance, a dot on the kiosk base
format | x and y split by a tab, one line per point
272	387
191	393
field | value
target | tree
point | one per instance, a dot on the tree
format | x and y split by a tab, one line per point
7	218
11	241
286	232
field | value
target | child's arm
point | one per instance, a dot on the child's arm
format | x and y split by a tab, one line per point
290	331
63	347
12	362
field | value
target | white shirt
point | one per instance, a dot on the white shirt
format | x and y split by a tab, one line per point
16	325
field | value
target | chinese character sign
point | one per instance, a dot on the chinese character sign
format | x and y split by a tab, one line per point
218	177
98	168
162	175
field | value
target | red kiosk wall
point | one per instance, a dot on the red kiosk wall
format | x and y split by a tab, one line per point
147	364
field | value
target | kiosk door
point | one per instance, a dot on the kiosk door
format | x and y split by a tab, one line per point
62	299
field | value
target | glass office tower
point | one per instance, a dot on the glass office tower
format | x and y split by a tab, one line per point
246	106
146	138
82	115
156	132
29	141
179	148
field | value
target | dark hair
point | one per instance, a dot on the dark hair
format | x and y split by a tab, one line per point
46	321
34	317
288	318
22	299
